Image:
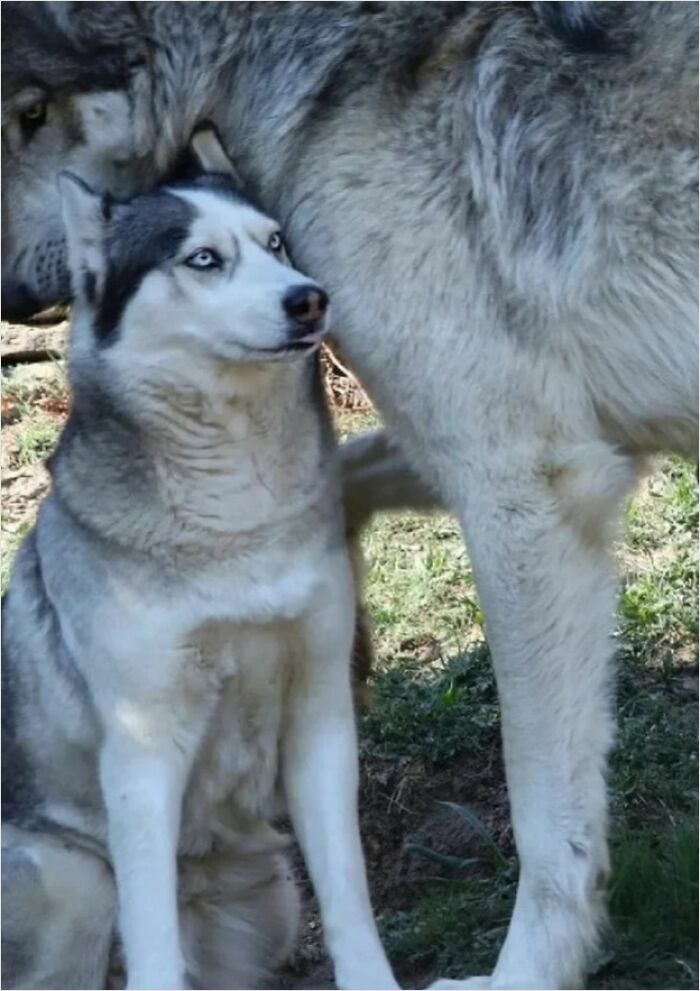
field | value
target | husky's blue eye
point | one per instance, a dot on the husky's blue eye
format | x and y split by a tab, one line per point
204	258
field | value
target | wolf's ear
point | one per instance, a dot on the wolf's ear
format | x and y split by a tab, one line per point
208	153
85	215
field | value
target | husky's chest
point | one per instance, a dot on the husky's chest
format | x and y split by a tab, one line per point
238	655
246	673
223	642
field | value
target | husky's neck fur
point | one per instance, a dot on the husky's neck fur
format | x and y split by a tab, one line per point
159	464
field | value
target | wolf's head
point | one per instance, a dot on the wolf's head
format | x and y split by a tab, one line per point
65	105
184	278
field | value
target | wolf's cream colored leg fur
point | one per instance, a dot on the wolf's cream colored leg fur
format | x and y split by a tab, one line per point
548	597
321	781
143	787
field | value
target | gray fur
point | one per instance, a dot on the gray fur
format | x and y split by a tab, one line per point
41	947
503	198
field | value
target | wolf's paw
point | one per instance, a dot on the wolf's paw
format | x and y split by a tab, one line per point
472	982
486	983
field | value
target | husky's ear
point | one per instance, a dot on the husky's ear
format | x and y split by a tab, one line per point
85	215
208	153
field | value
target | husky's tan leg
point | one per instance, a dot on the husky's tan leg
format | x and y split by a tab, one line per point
362	650
57	913
239	917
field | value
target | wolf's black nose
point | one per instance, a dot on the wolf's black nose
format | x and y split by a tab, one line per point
305	304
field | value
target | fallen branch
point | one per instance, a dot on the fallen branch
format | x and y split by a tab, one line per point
25	345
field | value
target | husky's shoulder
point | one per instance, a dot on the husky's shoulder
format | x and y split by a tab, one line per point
45	696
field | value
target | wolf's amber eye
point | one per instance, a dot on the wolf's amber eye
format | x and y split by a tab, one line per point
33	116
276	242
204	258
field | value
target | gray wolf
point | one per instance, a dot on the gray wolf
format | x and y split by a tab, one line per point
502	198
178	626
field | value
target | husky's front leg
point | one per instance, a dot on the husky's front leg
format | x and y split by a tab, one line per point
321	781
143	781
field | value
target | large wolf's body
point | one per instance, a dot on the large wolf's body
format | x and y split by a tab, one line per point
503	200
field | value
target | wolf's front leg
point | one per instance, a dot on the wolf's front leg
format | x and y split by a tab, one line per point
143	781
537	537
321	780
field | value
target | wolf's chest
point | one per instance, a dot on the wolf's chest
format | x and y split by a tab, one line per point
233	783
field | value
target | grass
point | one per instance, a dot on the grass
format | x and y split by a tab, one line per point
34	401
435	710
10	545
36	442
33	396
31	386
431	712
659	601
653	904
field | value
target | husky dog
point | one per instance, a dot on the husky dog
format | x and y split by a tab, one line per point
178	626
503	199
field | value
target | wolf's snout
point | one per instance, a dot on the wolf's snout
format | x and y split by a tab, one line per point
305	306
18	302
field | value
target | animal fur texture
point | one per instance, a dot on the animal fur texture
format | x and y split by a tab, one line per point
502	200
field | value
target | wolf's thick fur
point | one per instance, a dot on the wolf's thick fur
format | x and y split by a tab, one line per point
178	626
503	198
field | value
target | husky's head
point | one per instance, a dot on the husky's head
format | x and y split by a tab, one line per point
187	275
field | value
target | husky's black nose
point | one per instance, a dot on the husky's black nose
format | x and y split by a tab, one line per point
305	305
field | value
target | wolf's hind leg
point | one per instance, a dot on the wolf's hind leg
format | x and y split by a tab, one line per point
239	917
377	478
58	905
